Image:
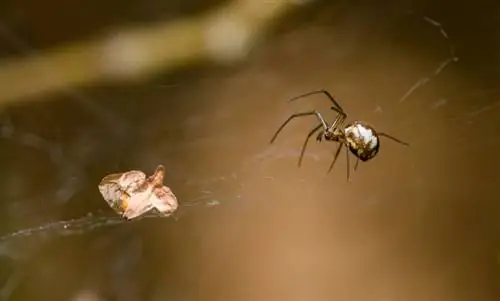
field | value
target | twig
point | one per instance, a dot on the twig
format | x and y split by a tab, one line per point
225	33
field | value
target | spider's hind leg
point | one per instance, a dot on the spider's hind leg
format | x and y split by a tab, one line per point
348	164
356	164
393	139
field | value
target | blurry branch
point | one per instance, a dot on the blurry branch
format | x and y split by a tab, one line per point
226	33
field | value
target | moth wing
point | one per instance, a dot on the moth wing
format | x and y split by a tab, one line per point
164	200
112	178
116	188
132	212
139	203
131	180
110	188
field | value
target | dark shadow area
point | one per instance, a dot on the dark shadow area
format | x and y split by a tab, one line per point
417	223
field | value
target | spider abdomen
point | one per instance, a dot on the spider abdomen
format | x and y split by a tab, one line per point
362	140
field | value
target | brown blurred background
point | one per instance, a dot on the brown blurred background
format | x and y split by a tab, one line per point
418	223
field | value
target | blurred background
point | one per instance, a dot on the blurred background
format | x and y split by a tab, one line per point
89	88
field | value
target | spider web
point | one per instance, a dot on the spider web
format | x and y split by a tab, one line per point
71	172
442	65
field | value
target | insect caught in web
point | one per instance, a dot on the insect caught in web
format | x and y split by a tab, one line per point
360	138
131	194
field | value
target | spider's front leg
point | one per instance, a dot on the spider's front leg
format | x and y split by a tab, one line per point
319	138
303	114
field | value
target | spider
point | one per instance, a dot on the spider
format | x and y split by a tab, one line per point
361	139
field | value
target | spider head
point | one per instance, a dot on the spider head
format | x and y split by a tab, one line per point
362	140
335	135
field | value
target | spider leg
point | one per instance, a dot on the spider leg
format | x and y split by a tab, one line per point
393	139
335	157
341	115
321	119
356	165
348	165
307	140
319	138
324	92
